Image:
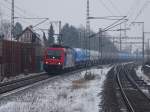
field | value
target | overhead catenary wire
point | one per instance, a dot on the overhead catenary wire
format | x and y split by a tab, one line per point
40	23
115	7
21	16
4	14
107	17
104	30
132	9
29	18
4	6
123	18
116	25
142	9
8	8
15	6
21	10
105	6
145	5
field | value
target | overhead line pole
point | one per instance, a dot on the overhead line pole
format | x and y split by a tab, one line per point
143	39
12	36
60	36
88	28
12	19
148	44
143	42
120	39
28	18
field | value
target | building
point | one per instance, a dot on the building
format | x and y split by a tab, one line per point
29	36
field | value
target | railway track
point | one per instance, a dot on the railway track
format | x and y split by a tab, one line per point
8	87
132	90
15	84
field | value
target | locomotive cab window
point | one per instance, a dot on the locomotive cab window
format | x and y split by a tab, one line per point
56	54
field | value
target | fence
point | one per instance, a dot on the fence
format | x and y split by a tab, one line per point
16	58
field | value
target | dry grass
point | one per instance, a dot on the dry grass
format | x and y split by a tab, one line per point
82	83
77	84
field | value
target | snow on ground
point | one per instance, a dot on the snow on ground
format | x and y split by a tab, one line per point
64	94
142	75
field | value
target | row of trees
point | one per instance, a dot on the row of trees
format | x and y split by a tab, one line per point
50	40
71	36
76	37
5	28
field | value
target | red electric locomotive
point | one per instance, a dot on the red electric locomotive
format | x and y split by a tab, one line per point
58	58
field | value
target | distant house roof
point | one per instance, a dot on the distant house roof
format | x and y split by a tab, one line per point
31	30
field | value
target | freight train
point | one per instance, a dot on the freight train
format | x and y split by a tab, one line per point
59	58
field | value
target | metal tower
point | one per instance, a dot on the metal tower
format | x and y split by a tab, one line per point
87	19
12	20
88	28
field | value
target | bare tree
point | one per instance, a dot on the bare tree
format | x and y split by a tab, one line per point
1	17
5	28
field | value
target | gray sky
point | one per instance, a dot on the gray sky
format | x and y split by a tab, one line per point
74	11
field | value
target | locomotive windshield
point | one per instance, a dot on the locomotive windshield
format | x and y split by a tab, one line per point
54	54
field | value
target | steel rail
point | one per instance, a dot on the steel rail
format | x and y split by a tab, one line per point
21	79
136	85
126	71
15	84
19	83
127	102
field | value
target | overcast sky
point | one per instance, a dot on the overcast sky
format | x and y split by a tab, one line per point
74	11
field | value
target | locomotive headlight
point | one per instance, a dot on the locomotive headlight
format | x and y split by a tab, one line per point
46	62
59	63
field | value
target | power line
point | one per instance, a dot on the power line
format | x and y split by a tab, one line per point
133	8
20	9
142	9
107	17
19	13
40	22
23	17
29	18
4	6
115	7
109	27
104	5
16	6
123	18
